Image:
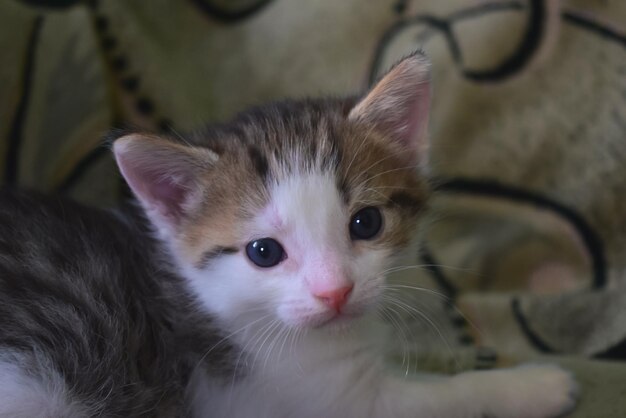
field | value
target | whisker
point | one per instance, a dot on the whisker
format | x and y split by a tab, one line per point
397	287
175	132
357	179
409	309
244	352
300	332
449	302
277	338
224	339
389	171
395	187
287	334
443	266
259	349
384	196
356	153
404	341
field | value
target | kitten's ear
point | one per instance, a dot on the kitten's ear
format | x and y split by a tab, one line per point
398	106
164	176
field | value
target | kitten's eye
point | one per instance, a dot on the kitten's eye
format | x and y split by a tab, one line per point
366	223
265	252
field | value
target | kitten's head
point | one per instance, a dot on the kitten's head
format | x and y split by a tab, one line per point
294	210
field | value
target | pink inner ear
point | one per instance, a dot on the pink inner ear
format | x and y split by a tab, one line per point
169	196
398	105
407	123
160	189
415	135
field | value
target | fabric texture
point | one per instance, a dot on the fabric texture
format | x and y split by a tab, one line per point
524	256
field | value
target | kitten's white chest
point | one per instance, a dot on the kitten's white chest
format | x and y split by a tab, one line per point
315	378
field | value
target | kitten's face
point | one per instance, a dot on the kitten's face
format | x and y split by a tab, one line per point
294	211
312	251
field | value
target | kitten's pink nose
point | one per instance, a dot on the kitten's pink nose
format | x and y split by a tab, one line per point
334	298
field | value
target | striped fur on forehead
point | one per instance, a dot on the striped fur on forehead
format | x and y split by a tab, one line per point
283	137
264	146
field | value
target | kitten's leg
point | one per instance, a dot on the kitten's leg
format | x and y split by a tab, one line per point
528	391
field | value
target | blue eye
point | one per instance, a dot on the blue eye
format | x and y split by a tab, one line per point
366	223
265	252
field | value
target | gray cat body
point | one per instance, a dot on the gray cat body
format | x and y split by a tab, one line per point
88	323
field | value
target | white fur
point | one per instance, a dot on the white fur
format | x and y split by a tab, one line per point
296	368
37	393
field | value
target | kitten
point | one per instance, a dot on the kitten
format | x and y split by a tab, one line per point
257	296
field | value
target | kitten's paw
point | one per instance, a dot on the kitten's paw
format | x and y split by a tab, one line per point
539	391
